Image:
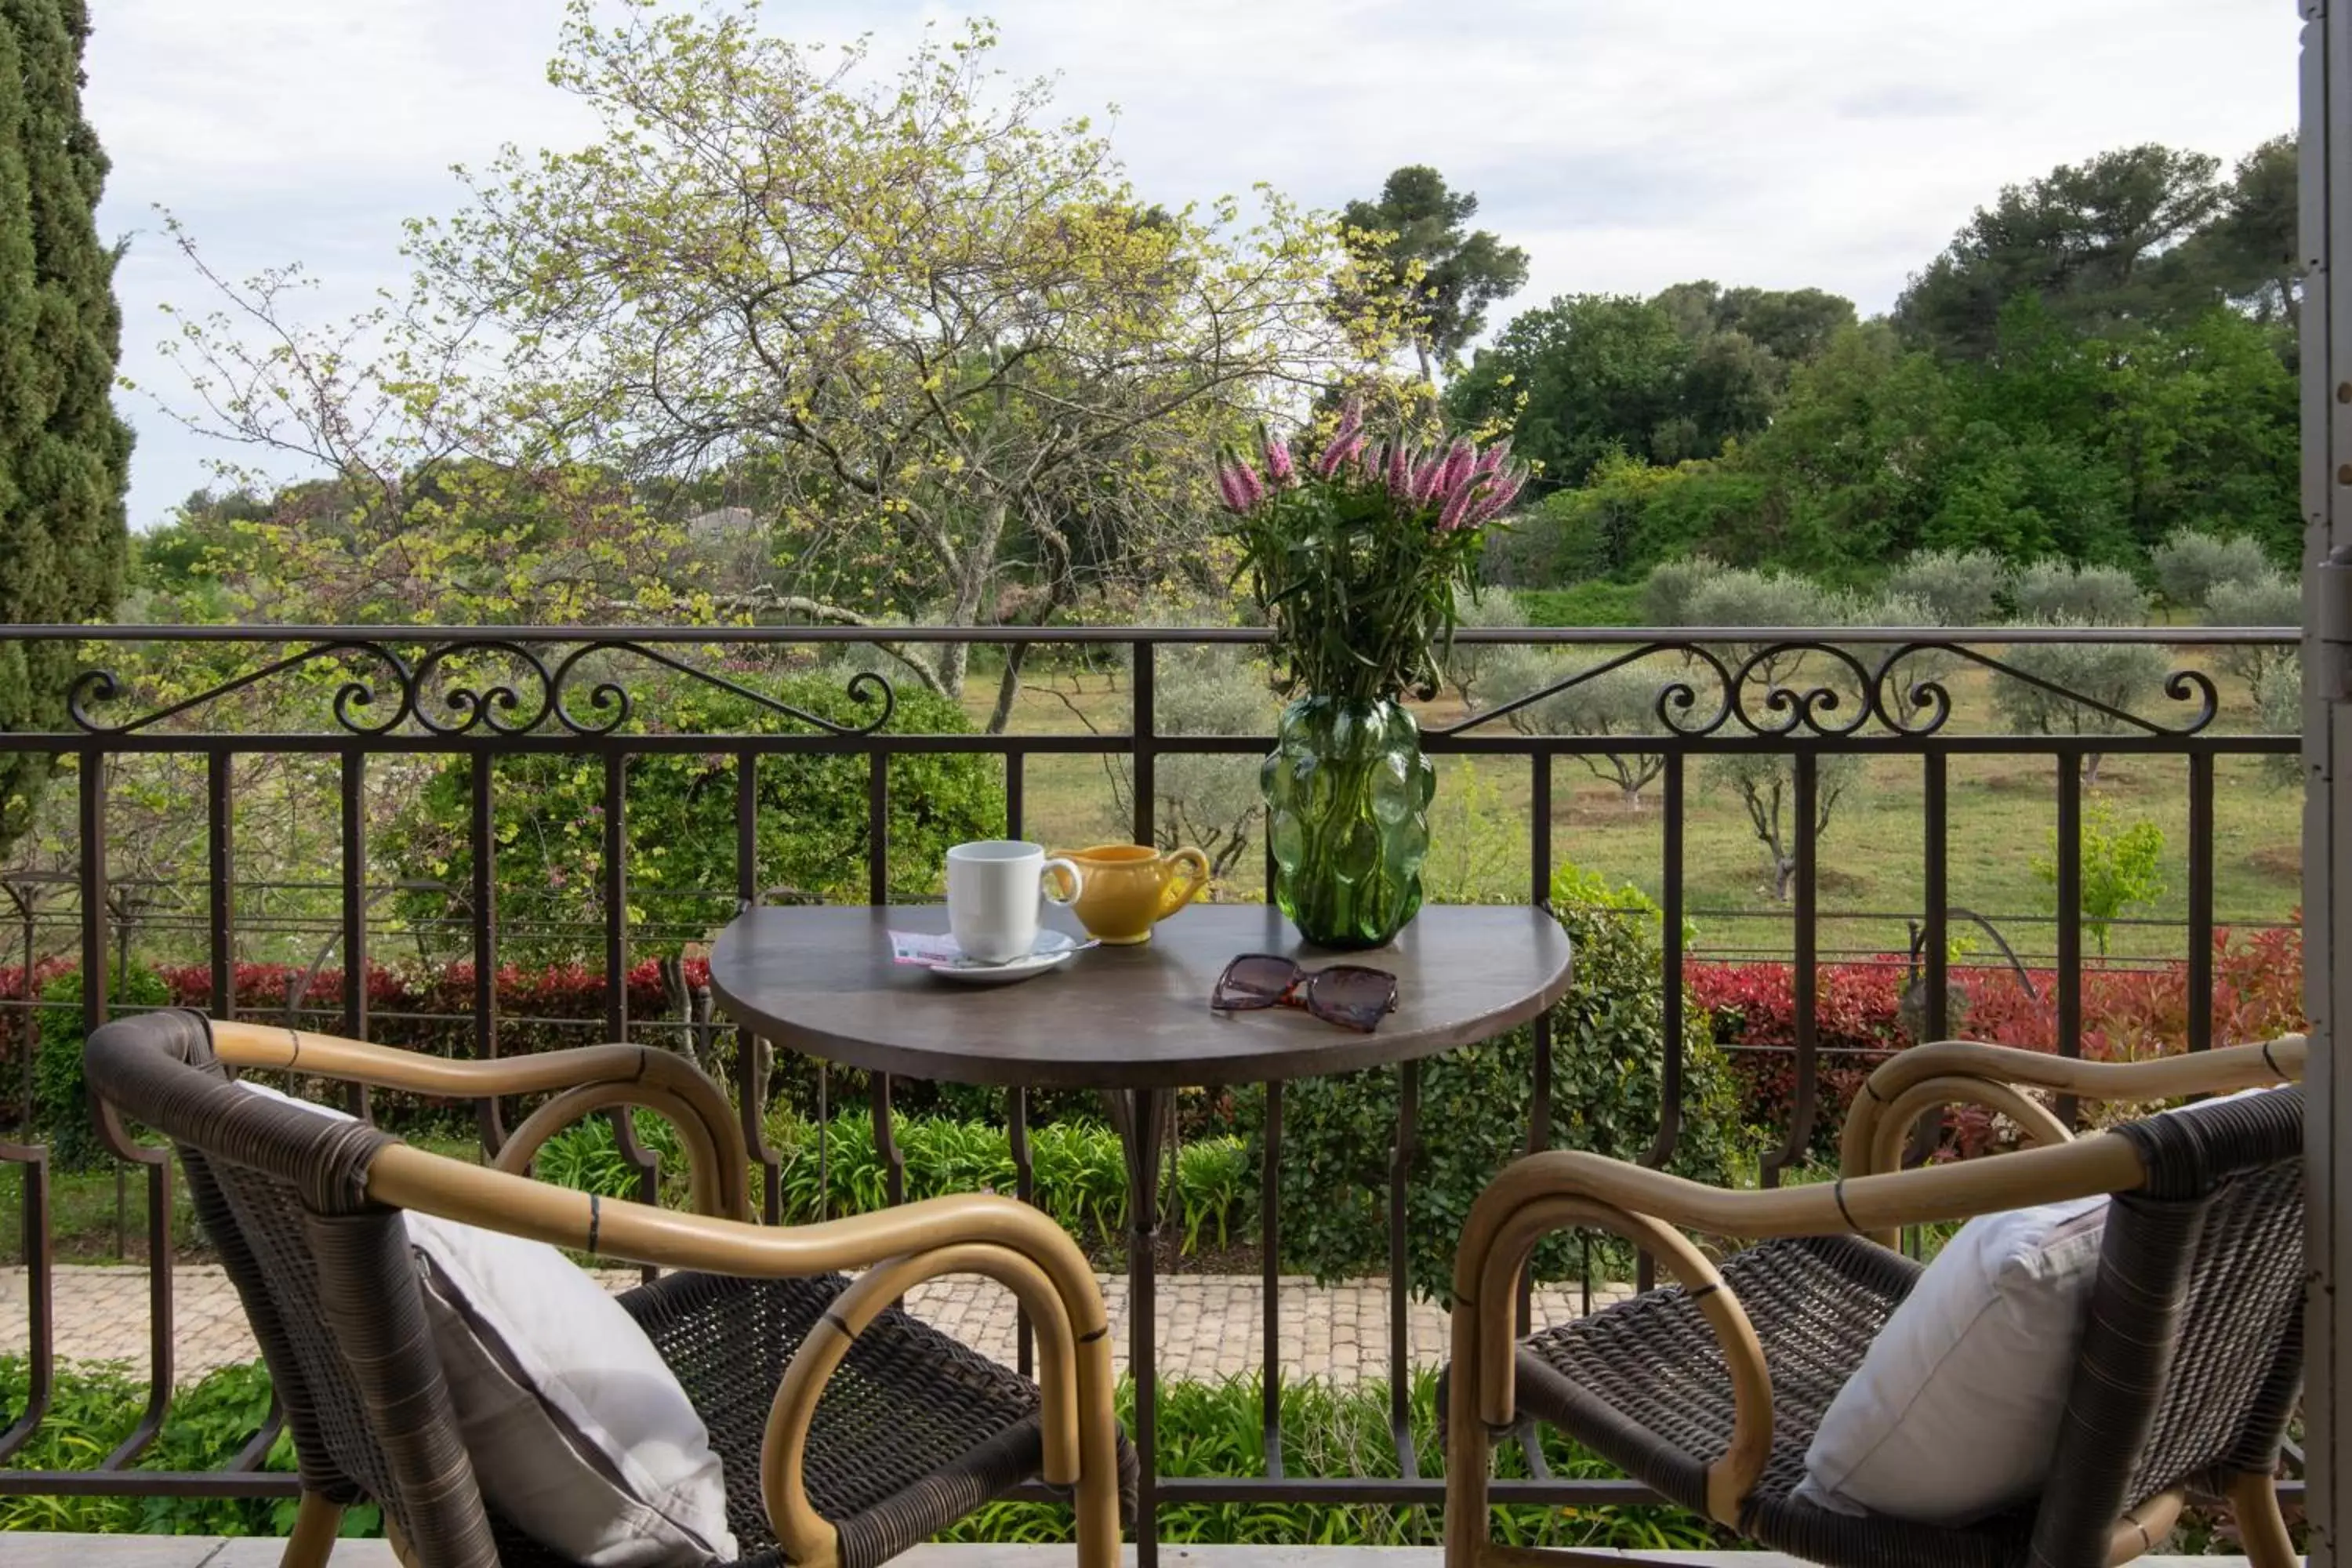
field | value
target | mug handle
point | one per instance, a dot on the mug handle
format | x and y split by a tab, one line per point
1066	867
1177	891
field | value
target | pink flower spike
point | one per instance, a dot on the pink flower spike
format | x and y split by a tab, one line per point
1351	419
1493	458
1498	494
1253	488
1238	483
1457	506
1401	470
1281	468
1338	453
1425	480
1229	485
1461	460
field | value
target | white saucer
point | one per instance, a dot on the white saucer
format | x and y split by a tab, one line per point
1054	949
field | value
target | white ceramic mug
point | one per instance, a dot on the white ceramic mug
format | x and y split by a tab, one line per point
996	891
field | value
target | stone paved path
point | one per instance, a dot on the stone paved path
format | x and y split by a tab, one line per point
1210	1326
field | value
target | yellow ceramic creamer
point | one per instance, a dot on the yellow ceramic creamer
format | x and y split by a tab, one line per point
1131	888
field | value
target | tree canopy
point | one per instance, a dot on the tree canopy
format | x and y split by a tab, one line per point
1662	379
2102	358
1414	244
2137	237
920	325
64	456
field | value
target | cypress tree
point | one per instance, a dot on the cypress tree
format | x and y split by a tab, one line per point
64	457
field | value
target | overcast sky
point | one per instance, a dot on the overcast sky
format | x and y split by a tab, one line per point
1626	144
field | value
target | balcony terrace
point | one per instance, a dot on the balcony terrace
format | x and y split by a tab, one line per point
197	754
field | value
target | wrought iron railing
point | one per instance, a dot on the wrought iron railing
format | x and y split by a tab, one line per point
484	694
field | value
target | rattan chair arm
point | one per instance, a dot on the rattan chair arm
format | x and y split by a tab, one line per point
2105	1164
585	1078
1891	1086
409	1177
1966	1073
1491	1312
712	1194
1079	1428
1885	1126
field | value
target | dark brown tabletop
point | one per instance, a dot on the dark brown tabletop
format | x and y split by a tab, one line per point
821	980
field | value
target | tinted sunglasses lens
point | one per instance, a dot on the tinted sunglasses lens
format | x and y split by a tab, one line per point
1358	997
1256	981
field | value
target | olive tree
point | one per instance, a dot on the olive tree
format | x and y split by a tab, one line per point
1766	783
1468	665
2051	591
1209	800
1957	587
2190	566
1667	592
2269	598
1622	702
2079	684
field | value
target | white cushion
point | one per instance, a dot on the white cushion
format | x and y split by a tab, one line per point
578	1431
1954	1412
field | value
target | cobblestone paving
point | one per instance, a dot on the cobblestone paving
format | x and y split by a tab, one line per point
1210	1326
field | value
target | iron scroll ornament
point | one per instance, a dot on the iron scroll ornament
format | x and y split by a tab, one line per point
1747	694
534	697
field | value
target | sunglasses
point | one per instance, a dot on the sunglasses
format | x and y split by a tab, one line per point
1347	994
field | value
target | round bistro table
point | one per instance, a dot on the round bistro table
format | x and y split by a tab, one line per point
1131	1022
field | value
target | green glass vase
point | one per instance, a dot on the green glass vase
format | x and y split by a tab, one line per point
1346	803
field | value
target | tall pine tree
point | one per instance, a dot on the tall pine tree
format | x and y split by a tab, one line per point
64	456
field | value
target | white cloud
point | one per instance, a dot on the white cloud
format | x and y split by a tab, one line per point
1626	143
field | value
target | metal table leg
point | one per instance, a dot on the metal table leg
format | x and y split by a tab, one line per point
1140	1116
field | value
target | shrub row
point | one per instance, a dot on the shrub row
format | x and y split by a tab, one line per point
1080	1172
2128	1015
1609	1049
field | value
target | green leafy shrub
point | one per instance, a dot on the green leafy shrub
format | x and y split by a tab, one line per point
586	1156
1609	1049
1079	1169
1338	1430
2120	868
810	822
1583	604
60	1098
1206	1429
95	1405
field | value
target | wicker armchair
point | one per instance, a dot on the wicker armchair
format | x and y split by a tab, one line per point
1711	1389
847	1430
